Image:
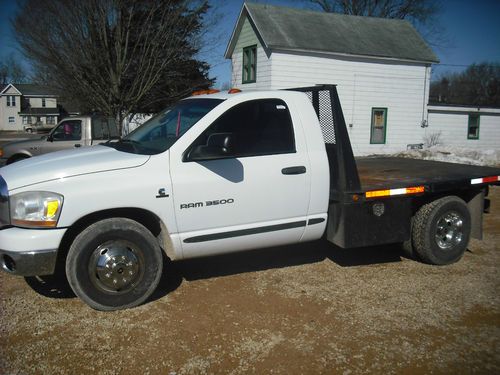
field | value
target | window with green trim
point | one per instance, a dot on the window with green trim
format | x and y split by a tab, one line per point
473	127
379	126
249	64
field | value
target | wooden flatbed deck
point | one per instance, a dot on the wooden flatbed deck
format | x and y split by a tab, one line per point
376	173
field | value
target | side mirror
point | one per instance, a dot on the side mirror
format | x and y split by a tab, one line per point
219	146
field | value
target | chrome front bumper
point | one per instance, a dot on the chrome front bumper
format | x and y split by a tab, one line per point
28	263
29	252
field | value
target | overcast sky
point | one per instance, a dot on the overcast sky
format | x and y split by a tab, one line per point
472	28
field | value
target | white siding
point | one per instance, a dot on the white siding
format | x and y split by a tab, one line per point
36	102
453	126
263	71
10	111
247	38
362	84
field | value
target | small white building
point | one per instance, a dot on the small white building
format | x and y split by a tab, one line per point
382	68
465	126
28	104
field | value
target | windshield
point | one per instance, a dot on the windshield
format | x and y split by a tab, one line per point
160	132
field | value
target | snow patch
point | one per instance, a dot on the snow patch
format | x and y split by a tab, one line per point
453	154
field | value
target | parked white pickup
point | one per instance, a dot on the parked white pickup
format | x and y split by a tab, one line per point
220	173
72	132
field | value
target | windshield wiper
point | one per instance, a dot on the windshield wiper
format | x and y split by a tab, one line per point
131	141
127	145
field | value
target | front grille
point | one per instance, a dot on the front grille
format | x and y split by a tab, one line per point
4	203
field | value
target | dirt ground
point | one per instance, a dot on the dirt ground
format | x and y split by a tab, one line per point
305	309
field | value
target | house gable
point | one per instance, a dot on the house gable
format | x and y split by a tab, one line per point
10	89
247	37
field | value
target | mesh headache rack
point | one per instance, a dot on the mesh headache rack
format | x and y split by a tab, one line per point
344	176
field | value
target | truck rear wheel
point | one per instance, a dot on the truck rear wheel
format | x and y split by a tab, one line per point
441	231
114	264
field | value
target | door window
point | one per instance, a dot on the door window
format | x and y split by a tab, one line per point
70	130
256	127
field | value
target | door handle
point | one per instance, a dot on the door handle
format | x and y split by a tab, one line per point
294	170
78	145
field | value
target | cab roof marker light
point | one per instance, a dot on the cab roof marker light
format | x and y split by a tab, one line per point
484	180
234	91
205	92
395	192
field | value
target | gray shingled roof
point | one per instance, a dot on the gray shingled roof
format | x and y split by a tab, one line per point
302	30
40	111
28	89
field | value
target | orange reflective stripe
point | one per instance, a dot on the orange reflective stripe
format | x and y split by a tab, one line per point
377	193
391	192
415	190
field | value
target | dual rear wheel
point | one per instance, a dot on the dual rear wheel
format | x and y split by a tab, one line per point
440	231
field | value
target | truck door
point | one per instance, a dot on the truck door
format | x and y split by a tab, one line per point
253	194
67	135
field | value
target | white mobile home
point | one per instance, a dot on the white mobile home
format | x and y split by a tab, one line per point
465	126
382	68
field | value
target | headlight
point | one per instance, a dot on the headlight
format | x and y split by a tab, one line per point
36	209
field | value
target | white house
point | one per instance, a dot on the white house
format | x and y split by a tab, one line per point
26	104
382	68
465	126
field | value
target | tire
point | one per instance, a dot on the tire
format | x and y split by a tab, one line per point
441	231
130	264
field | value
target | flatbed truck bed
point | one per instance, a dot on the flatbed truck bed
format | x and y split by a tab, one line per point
378	173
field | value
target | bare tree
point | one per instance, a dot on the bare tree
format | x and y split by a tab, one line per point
12	72
112	55
479	84
422	14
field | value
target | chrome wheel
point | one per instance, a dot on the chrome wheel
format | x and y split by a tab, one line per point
116	266
449	230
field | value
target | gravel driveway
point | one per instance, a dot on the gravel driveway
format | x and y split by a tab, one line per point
302	309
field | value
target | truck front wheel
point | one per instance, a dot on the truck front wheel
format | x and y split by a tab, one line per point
441	230
114	264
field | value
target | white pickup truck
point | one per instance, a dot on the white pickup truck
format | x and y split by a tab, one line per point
226	172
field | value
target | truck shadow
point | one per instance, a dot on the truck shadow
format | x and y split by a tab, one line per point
52	286
57	286
271	258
